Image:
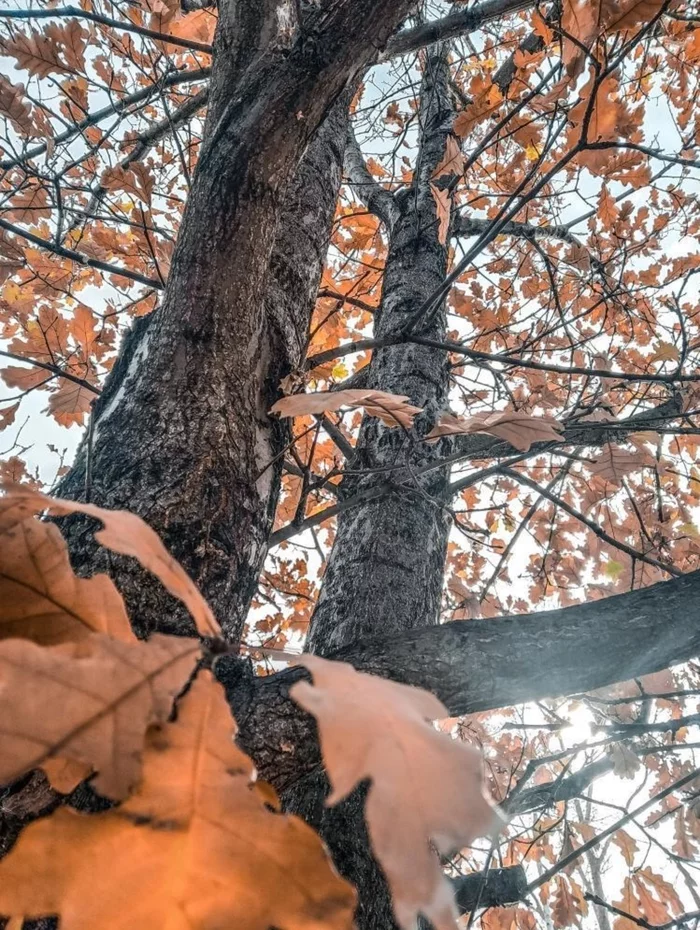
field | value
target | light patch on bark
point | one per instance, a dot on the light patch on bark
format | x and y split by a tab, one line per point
135	364
263	456
286	22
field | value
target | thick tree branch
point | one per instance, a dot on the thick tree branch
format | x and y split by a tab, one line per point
481	665
496	888
377	199
451	26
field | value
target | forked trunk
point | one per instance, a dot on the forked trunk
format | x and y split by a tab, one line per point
385	570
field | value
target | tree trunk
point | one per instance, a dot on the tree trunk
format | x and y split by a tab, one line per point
385	570
181	434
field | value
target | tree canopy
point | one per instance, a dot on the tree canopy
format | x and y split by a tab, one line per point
384	318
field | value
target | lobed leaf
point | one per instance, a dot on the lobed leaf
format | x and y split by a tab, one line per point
195	848
127	534
426	788
88	702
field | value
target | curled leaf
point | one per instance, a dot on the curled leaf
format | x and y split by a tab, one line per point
127	534
513	426
426	788
42	599
391	409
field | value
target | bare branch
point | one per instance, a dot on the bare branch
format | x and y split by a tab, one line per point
377	199
76	13
451	26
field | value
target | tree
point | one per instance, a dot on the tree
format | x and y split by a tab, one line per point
545	358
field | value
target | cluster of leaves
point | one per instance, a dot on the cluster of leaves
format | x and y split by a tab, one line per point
193	839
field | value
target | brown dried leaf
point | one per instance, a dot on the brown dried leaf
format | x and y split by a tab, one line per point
195	847
519	429
615	463
426	788
443	206
127	534
90	702
42	599
392	409
625	763
627	845
452	161
569	904
14	106
70	403
24	378
7	415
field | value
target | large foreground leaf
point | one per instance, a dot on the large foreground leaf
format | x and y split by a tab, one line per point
426	788
41	598
88	702
194	849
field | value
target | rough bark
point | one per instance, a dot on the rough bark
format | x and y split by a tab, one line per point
181	433
385	570
386	566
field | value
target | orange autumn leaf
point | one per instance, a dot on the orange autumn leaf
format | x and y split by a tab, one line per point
568	904
513	426
443	207
587	20
24	378
70	403
194	848
89	702
615	463
426	788
452	162
42	599
392	409
7	415
627	846
14	106
127	534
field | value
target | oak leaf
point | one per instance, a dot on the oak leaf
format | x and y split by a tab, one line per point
625	763
587	20
127	534
615	463
568	905
42	599
35	52
443	206
452	162
195	848
513	426
70	403
627	845
608	211
14	106
665	352
426	788
7	415
392	409
89	702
